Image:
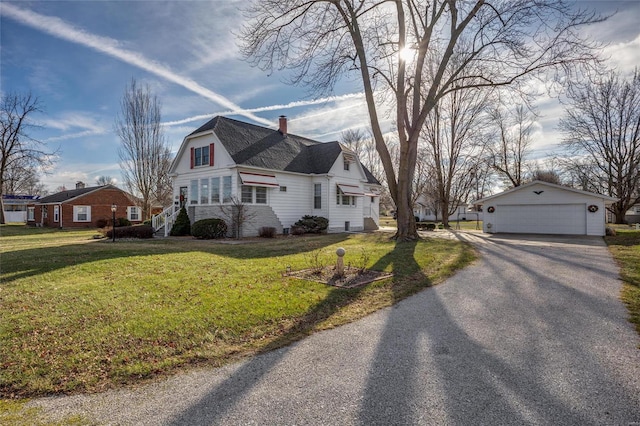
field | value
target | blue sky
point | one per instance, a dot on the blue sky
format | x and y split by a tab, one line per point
78	57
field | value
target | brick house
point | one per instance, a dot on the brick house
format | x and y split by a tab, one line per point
83	207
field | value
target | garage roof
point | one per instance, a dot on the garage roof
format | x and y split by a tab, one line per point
606	198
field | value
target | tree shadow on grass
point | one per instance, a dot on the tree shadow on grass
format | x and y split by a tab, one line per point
212	407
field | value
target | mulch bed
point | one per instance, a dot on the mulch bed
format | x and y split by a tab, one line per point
353	277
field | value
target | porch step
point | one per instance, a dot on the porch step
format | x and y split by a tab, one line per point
370	224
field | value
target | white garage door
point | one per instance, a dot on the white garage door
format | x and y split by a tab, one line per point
569	219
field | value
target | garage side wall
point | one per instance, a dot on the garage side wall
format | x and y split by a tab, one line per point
542	209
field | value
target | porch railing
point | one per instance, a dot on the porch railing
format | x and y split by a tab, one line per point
165	220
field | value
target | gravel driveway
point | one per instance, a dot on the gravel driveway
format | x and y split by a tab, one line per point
533	333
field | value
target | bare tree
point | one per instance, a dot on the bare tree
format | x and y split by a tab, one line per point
602	132
18	176
163	193
322	40
455	135
363	145
546	176
105	180
144	153
355	140
512	143
21	154
238	214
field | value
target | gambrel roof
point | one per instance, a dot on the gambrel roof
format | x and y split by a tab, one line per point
257	146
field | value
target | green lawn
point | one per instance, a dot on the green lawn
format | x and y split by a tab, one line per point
388	221
625	247
80	314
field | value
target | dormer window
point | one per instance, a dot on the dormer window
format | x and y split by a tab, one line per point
201	156
348	159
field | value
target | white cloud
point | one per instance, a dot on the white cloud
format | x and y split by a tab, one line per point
81	124
328	121
625	56
68	173
295	104
58	28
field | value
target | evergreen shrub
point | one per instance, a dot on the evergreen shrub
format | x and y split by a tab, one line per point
313	224
207	229
182	225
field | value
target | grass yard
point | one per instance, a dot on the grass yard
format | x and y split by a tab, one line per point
390	222
79	314
625	247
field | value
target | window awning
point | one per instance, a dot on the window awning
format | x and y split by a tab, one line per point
259	179
353	190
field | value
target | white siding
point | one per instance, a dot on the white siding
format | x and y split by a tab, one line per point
296	202
369	208
340	214
221	166
222	159
544	209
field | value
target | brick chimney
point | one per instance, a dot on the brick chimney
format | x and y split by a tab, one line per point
283	125
80	185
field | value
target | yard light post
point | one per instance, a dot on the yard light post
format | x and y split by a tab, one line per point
113	212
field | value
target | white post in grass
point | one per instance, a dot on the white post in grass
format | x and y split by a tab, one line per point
340	263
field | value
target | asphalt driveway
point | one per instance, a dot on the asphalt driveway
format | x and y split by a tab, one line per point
533	333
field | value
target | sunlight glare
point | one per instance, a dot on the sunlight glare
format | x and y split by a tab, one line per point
406	54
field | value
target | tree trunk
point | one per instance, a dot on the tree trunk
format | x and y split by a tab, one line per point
1	209
619	212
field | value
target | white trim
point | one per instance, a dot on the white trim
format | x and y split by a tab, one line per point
606	198
139	213
75	213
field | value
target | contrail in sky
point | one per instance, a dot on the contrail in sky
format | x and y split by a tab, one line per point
58	28
268	108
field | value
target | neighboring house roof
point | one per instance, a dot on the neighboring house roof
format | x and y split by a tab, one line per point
256	146
552	185
67	195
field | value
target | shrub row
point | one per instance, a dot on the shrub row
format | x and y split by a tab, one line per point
207	229
310	225
135	231
120	221
267	232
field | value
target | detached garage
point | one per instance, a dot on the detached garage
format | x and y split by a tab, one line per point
545	208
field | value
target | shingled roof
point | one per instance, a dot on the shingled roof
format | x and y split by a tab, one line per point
257	146
66	195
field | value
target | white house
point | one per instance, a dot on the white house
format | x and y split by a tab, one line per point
545	208
633	214
15	207
423	209
279	177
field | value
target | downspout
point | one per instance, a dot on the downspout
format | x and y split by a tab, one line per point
60	216
329	202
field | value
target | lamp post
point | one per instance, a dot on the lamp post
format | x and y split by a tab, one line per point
113	211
